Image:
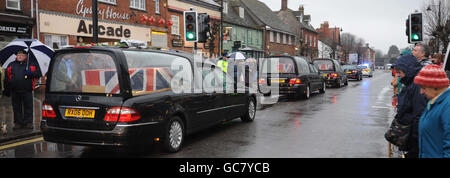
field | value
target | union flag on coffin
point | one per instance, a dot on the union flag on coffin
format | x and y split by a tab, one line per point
142	79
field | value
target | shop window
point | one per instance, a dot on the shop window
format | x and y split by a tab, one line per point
176	25
55	41
137	4
13	4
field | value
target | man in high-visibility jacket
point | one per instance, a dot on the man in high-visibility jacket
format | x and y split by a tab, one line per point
222	63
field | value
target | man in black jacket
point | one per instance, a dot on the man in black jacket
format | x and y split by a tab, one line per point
19	84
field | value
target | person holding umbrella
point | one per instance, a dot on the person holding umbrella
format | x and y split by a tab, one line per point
24	61
19	83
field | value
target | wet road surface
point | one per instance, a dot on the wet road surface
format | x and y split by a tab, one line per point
347	122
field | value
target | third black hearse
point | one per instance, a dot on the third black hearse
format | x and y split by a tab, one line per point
291	75
106	96
332	71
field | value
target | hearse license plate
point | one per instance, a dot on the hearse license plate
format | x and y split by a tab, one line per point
86	113
277	80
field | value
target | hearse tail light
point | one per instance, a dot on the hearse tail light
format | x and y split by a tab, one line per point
122	115
295	81
47	111
262	81
354	71
334	75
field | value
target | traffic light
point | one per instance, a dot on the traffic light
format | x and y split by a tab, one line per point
190	26
415	28
407	30
203	27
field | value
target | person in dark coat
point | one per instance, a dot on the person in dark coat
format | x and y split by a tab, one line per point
411	103
19	84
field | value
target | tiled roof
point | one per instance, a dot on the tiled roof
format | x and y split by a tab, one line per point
266	16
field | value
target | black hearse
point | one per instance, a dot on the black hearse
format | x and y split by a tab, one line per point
291	75
106	96
332	71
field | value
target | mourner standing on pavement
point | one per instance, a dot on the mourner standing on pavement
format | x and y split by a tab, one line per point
434	125
421	52
411	103
438	59
19	84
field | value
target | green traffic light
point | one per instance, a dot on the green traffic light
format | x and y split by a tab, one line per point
415	37
190	36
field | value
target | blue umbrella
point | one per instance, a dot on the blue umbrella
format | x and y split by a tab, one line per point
38	53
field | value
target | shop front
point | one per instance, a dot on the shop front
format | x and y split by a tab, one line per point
13	27
79	30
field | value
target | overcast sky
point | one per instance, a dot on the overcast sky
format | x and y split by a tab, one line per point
381	23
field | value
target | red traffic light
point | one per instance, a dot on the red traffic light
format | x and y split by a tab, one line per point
189	17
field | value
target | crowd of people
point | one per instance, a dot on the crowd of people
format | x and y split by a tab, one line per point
421	126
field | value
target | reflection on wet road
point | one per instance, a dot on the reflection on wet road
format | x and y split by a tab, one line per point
344	122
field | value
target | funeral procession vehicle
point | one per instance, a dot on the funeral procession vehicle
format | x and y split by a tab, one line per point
292	75
332	71
120	97
353	72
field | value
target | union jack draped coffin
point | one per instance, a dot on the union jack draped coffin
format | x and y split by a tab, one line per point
142	79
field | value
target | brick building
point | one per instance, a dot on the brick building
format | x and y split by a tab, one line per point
16	20
69	22
278	38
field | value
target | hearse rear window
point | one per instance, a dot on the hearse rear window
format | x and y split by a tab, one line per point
324	64
152	72
282	65
84	72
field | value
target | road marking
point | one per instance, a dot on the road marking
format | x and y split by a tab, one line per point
21	143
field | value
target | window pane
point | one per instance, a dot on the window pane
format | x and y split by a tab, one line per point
153	72
84	73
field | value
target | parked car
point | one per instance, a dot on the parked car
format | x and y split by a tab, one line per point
134	97
353	71
367	69
292	75
332	71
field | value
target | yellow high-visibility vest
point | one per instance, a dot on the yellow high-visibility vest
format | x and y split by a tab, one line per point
223	64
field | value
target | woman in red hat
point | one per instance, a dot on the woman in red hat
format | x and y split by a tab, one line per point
434	125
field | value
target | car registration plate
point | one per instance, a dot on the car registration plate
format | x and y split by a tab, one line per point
349	72
85	113
277	80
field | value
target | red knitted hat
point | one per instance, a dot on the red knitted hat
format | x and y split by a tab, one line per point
432	76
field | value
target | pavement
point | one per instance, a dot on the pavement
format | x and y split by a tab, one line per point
6	117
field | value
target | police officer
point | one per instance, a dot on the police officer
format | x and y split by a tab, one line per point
19	84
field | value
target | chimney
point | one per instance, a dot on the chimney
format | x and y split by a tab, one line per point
283	5
301	9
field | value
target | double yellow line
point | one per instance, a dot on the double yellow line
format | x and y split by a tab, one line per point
21	143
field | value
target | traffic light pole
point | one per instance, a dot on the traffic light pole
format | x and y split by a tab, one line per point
95	21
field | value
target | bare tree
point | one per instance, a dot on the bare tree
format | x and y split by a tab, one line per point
437	22
348	42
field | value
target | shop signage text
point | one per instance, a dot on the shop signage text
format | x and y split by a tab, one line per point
102	30
107	13
13	28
